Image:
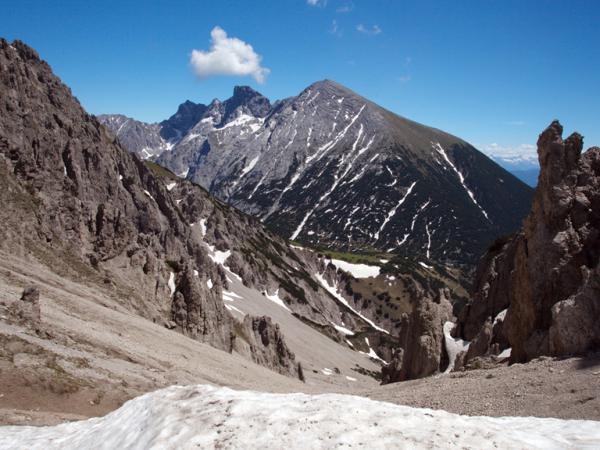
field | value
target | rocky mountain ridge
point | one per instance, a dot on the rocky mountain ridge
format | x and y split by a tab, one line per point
331	169
78	203
75	200
537	291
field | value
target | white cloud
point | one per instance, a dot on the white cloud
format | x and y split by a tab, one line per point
365	30
345	8
316	2
228	56
511	154
404	78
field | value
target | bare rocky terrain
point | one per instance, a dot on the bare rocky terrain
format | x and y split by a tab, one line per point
90	355
118	278
567	388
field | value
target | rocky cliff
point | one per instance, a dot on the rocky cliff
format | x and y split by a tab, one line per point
546	279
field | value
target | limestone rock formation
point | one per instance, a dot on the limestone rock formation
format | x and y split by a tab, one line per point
548	275
265	343
422	341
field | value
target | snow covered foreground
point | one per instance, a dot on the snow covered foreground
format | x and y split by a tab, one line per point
209	417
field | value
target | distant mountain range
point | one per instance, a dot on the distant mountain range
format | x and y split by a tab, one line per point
525	169
331	169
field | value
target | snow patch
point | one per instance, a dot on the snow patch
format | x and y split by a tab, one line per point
240	120
357	270
210	417
342	329
336	294
461	178
249	166
233	308
321	151
453	345
500	316
149	194
171	283
276	299
392	212
203	227
428	239
220	257
505	353
229	296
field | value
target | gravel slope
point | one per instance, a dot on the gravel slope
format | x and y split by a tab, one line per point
546	387
96	355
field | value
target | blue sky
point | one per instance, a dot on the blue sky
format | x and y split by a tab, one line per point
487	71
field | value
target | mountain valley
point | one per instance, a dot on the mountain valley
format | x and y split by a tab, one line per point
319	244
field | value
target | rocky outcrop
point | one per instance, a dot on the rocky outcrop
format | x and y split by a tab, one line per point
89	208
421	351
548	275
27	310
176	126
140	138
245	100
263	340
490	296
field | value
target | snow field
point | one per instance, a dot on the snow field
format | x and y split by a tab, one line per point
186	417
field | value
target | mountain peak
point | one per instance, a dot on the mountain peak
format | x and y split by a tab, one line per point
330	86
187	115
24	50
245	91
247	99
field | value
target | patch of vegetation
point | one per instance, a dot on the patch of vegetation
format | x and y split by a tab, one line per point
160	171
355	258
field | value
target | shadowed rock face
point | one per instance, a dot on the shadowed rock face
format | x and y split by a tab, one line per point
548	274
422	341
